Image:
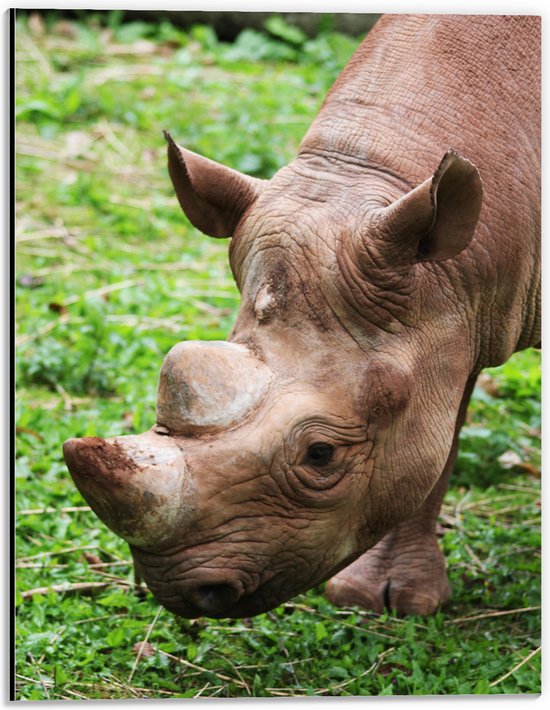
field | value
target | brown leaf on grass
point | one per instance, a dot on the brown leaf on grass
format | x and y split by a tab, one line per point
57	307
26	430
106	35
148	92
64	28
150	155
386	668
30	281
140	47
36	24
166	49
74	588
143	649
77	144
92	559
511	459
488	384
530	469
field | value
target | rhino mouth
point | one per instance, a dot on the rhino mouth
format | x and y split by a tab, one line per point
246	606
221	589
219	593
258	602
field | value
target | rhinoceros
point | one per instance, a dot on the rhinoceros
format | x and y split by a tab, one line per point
380	271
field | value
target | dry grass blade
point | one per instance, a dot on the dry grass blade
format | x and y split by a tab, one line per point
71	268
243	682
39	332
491	614
188	664
85	165
522	489
174	324
51	233
74	694
370	669
476	504
30	47
135	692
362	629
44	682
366	630
99	618
103	291
74	588
230	295
57	553
123	73
68	403
42	252
515	668
31	432
25	678
208	686
142	645
288	692
39	565
477	562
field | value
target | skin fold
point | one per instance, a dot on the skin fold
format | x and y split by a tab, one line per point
380	271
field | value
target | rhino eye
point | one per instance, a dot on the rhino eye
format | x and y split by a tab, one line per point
319	455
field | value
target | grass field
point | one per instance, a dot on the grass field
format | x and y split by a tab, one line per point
109	276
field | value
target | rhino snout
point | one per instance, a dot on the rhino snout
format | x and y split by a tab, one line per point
213	599
192	590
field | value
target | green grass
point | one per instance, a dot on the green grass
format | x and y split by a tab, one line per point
109	276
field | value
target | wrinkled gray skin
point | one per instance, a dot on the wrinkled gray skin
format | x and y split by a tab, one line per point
380	272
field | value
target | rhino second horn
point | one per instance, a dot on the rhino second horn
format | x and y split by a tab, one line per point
206	386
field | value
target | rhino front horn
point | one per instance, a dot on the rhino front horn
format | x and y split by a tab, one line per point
208	386
138	485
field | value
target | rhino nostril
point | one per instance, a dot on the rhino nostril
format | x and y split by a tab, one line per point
215	598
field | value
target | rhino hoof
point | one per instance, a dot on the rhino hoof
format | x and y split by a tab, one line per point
402	599
410	581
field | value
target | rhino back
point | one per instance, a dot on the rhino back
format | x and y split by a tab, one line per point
419	85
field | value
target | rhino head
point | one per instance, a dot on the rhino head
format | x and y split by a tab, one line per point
280	456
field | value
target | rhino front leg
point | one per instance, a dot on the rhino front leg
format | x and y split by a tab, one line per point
405	570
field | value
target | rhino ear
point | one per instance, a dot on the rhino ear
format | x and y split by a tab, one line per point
437	219
213	197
